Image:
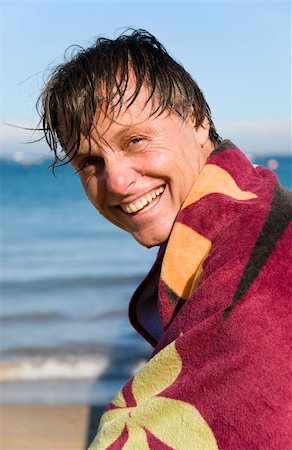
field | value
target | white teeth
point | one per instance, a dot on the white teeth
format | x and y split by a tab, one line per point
139	205
132	208
142	202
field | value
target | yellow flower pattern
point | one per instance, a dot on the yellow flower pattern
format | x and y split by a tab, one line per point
176	423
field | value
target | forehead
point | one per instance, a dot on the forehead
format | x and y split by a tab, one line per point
125	110
129	110
124	117
119	121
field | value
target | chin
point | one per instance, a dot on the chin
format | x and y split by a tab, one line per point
151	240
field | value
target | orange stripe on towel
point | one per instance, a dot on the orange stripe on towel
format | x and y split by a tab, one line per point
214	179
181	269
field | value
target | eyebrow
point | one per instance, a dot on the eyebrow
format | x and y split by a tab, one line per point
145	128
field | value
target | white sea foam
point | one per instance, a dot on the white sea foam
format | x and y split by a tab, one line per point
53	369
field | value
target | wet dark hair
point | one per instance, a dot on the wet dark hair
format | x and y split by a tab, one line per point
95	79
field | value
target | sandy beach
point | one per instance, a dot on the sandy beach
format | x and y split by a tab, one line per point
42	427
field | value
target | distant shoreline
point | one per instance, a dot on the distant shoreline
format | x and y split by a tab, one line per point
24	158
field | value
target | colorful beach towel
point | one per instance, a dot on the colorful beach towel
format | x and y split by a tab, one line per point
216	307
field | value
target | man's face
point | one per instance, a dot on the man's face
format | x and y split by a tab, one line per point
141	168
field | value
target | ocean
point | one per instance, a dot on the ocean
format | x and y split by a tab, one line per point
67	277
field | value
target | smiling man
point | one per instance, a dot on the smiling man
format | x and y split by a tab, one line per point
138	130
137	167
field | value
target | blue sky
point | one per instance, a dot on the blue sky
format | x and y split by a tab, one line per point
238	51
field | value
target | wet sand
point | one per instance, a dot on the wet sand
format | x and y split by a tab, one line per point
42	427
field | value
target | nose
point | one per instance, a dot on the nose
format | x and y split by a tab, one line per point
120	176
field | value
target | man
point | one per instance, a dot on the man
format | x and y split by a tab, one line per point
215	305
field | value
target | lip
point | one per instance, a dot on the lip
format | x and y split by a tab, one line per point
147	213
142	202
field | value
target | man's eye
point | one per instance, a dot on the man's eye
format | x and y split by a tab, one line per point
92	161
135	140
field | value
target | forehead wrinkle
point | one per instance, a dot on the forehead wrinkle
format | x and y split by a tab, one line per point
116	118
106	117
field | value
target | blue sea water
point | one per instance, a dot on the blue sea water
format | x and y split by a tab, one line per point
66	279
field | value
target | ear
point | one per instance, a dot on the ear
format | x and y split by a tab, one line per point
201	131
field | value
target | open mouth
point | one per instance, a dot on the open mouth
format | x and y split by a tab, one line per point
144	203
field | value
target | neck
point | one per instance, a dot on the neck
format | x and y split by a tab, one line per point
208	148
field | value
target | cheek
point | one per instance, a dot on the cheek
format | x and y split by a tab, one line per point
92	189
172	165
160	162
